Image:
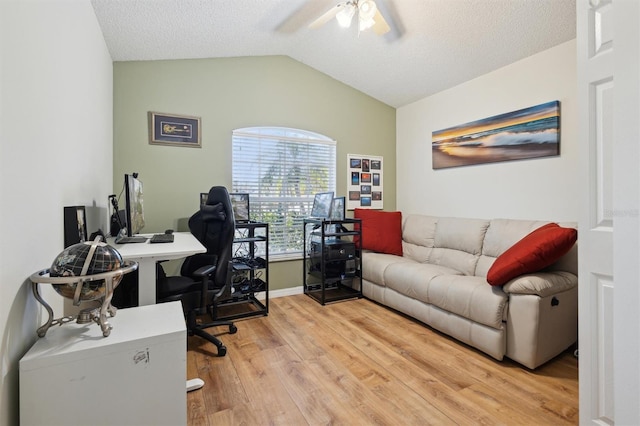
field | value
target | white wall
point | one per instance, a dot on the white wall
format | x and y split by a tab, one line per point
544	188
56	97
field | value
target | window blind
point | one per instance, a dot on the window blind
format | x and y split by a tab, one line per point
282	169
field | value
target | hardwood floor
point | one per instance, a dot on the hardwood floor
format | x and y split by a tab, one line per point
356	362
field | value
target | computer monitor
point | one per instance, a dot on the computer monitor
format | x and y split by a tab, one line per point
322	205
337	209
134	209
240	205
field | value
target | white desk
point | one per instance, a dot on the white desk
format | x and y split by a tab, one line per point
136	376
146	254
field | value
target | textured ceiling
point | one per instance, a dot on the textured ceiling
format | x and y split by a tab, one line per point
433	44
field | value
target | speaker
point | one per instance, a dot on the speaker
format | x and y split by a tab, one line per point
117	222
75	225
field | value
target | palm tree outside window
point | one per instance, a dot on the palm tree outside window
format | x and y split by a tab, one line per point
282	169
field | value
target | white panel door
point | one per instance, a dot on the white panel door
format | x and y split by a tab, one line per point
609	301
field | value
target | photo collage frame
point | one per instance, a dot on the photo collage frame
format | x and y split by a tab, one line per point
364	187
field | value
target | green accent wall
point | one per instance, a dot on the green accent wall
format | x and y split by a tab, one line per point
227	94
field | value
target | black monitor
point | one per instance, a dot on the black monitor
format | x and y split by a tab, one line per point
322	205
134	208
240	204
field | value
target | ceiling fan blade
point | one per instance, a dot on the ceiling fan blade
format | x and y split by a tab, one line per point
380	26
327	16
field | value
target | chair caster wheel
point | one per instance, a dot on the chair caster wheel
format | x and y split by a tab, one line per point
233	329
222	351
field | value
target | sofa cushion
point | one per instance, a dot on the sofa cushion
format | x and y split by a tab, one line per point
461	234
504	233
412	279
418	233
415	252
419	229
375	264
535	251
469	297
458	243
381	231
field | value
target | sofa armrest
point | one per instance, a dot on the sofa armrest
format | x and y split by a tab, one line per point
542	284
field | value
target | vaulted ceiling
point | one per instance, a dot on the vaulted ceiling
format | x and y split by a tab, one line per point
433	44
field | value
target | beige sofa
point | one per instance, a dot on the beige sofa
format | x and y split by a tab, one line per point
441	281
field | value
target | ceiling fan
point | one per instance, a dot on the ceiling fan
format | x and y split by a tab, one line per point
366	10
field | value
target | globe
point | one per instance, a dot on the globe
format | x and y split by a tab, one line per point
94	256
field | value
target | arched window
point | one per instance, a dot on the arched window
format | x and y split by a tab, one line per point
282	169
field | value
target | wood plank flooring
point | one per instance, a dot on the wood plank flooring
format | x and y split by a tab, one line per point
358	363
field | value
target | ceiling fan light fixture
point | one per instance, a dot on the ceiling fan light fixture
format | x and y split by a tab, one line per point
367	10
368	16
345	15
365	24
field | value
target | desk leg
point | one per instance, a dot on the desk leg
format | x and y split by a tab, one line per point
146	281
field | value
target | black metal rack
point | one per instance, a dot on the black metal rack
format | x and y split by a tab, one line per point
250	274
332	266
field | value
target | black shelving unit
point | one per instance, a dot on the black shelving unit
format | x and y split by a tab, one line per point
332	266
250	274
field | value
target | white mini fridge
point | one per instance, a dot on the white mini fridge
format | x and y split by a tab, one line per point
135	376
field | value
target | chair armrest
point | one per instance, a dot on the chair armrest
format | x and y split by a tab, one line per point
204	271
542	284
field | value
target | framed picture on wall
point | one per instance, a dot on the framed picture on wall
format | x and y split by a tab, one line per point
365	186
532	132
174	130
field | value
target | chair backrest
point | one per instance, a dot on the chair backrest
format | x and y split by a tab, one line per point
214	226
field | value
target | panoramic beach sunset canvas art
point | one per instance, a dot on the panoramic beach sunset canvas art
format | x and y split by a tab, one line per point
527	133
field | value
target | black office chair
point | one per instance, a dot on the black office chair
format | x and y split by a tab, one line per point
204	278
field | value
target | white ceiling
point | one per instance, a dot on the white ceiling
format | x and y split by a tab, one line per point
433	44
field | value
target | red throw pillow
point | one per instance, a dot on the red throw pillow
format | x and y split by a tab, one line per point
381	231
537	250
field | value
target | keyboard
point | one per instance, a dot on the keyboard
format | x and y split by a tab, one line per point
127	240
162	238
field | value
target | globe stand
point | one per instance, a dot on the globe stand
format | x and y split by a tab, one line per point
98	313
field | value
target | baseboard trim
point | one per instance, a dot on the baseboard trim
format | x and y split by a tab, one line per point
282	292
